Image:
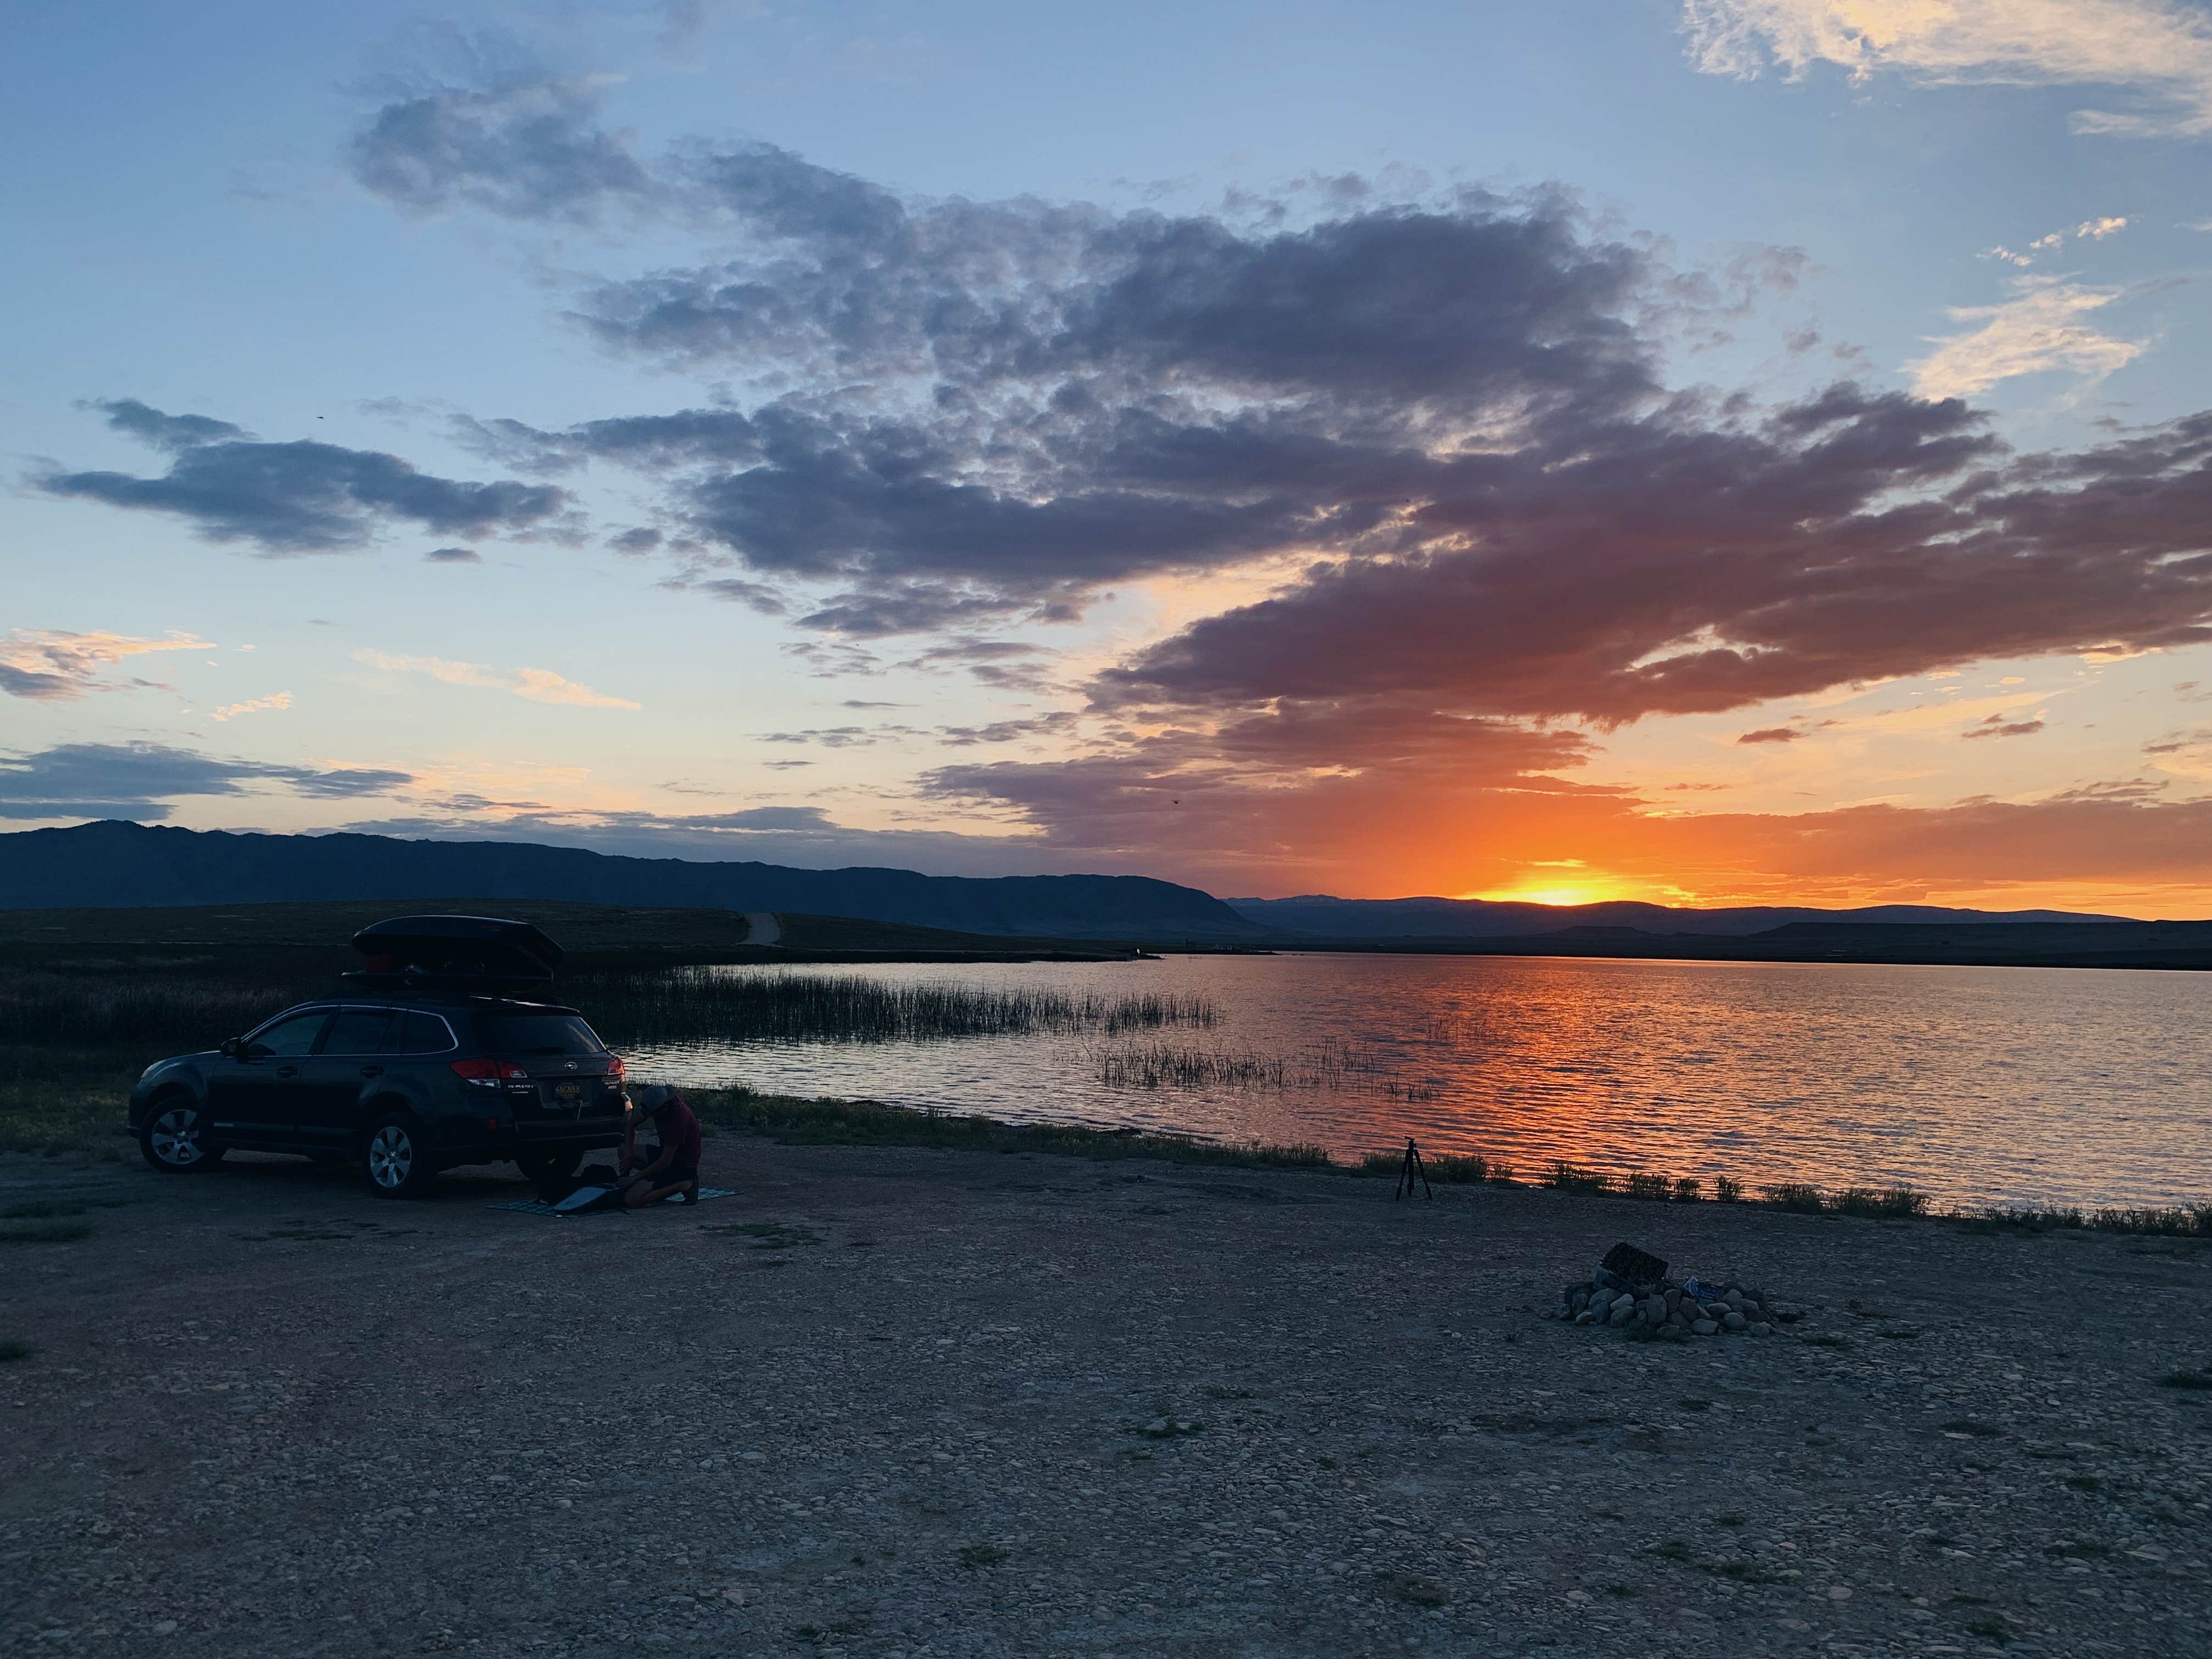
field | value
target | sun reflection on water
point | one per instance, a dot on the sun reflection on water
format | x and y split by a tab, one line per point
1976	1085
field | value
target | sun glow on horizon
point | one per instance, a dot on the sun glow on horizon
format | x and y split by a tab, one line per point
1562	893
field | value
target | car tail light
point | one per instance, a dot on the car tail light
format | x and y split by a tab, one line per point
487	1073
614	1068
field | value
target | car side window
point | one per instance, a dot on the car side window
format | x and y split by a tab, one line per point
418	1034
295	1036
356	1032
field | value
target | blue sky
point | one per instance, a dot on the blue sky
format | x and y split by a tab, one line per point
386	231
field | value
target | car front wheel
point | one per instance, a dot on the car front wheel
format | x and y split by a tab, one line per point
397	1162
175	1139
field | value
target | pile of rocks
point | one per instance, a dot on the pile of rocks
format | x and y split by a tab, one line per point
1676	1309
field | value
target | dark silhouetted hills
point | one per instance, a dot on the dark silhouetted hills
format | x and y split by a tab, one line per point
114	864
1444	918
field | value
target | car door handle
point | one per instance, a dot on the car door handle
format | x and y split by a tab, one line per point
288	1071
372	1070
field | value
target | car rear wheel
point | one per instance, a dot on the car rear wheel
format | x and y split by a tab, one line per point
175	1139
395	1159
539	1168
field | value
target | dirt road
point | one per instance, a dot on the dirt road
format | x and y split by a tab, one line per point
897	1403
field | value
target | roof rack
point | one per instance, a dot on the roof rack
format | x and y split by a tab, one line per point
473	955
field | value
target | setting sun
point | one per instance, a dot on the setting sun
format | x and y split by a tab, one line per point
1560	893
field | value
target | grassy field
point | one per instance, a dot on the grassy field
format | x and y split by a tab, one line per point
57	1100
584	930
324	928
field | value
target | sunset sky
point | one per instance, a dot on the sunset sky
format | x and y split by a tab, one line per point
1708	451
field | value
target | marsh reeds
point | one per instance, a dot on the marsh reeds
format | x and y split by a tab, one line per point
1332	1063
1162	1066
89	1010
706	1003
191	1004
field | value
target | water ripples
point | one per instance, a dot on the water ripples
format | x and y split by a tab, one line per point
1976	1085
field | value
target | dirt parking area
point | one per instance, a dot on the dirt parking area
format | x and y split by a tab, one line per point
893	1402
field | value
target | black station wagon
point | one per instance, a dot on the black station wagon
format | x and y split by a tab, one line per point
447	1050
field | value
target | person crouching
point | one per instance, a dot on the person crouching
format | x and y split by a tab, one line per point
673	1171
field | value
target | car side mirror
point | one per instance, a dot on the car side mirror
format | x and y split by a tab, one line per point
233	1048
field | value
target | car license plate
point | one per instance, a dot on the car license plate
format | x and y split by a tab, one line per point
567	1090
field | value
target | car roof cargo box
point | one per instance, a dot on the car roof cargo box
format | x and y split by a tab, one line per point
457	953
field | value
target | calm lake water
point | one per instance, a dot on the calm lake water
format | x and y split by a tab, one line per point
1978	1085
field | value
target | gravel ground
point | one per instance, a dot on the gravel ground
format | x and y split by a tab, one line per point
902	1402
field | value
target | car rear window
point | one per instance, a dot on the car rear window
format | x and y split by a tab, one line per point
563	1035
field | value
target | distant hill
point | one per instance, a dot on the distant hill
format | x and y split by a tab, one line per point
113	864
1321	916
626	933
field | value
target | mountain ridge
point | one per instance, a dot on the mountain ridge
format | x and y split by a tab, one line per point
113	864
1322	915
116	864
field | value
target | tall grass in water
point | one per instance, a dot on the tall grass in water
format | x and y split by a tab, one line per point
1162	1066
1332	1063
677	1003
164	1007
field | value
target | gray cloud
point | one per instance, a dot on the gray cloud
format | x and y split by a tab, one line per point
1996	726
757	597
159	431
839	737
955	737
58	666
830	659
1036	726
301	496
140	780
1458	396
455	556
811	819
1046	398
41	684
1674	566
1443	419
531	150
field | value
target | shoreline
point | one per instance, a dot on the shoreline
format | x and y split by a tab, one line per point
894	1401
797	1120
